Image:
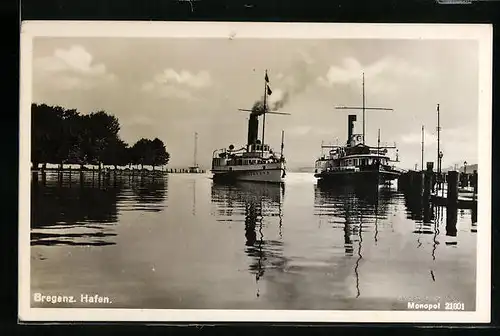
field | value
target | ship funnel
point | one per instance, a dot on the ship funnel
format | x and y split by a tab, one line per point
350	125
253	128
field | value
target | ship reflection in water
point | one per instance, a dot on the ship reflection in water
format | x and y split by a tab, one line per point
261	204
250	245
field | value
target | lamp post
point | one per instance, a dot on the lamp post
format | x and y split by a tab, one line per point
465	179
440	159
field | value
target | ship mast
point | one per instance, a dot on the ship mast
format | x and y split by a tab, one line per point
422	164
264	113
282	143
363	108
195	147
378	142
438	140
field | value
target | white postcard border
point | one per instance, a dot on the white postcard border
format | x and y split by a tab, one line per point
479	32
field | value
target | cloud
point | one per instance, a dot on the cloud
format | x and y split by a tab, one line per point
300	130
73	68
416	138
384	75
454	135
457	144
299	76
169	76
170	83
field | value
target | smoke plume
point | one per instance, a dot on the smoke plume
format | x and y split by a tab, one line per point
258	107
296	80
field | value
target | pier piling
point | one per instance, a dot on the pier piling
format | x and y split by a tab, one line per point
474	183
428	183
452	187
451	223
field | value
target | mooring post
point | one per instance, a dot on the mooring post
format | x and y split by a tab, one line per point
81	177
419	182
410	179
452	187
451	220
428	182
474	184
464	180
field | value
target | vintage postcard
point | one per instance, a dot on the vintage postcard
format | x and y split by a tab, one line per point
276	172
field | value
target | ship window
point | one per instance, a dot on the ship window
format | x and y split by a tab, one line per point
263	167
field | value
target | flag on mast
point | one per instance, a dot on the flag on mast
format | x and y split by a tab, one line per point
269	91
267	78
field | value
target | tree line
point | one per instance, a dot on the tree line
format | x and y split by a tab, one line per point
60	136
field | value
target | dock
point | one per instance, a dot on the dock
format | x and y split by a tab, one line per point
90	173
450	188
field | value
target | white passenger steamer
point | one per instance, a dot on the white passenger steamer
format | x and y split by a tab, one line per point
256	161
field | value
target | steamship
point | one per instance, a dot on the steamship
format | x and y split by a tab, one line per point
256	161
355	162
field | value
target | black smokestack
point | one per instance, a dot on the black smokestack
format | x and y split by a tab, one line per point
350	125
253	121
253	128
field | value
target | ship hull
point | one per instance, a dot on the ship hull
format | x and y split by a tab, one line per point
272	173
359	177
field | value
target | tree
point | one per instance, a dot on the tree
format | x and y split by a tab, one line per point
116	153
150	152
41	133
51	133
141	152
160	154
103	131
62	135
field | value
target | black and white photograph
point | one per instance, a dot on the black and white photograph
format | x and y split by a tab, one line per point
274	172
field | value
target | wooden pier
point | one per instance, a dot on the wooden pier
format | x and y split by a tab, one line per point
450	188
84	174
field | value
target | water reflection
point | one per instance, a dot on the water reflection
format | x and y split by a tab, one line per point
357	209
474	218
82	210
260	206
148	193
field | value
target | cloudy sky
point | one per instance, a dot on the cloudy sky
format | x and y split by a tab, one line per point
170	88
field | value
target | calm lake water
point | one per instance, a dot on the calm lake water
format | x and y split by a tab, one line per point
181	241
